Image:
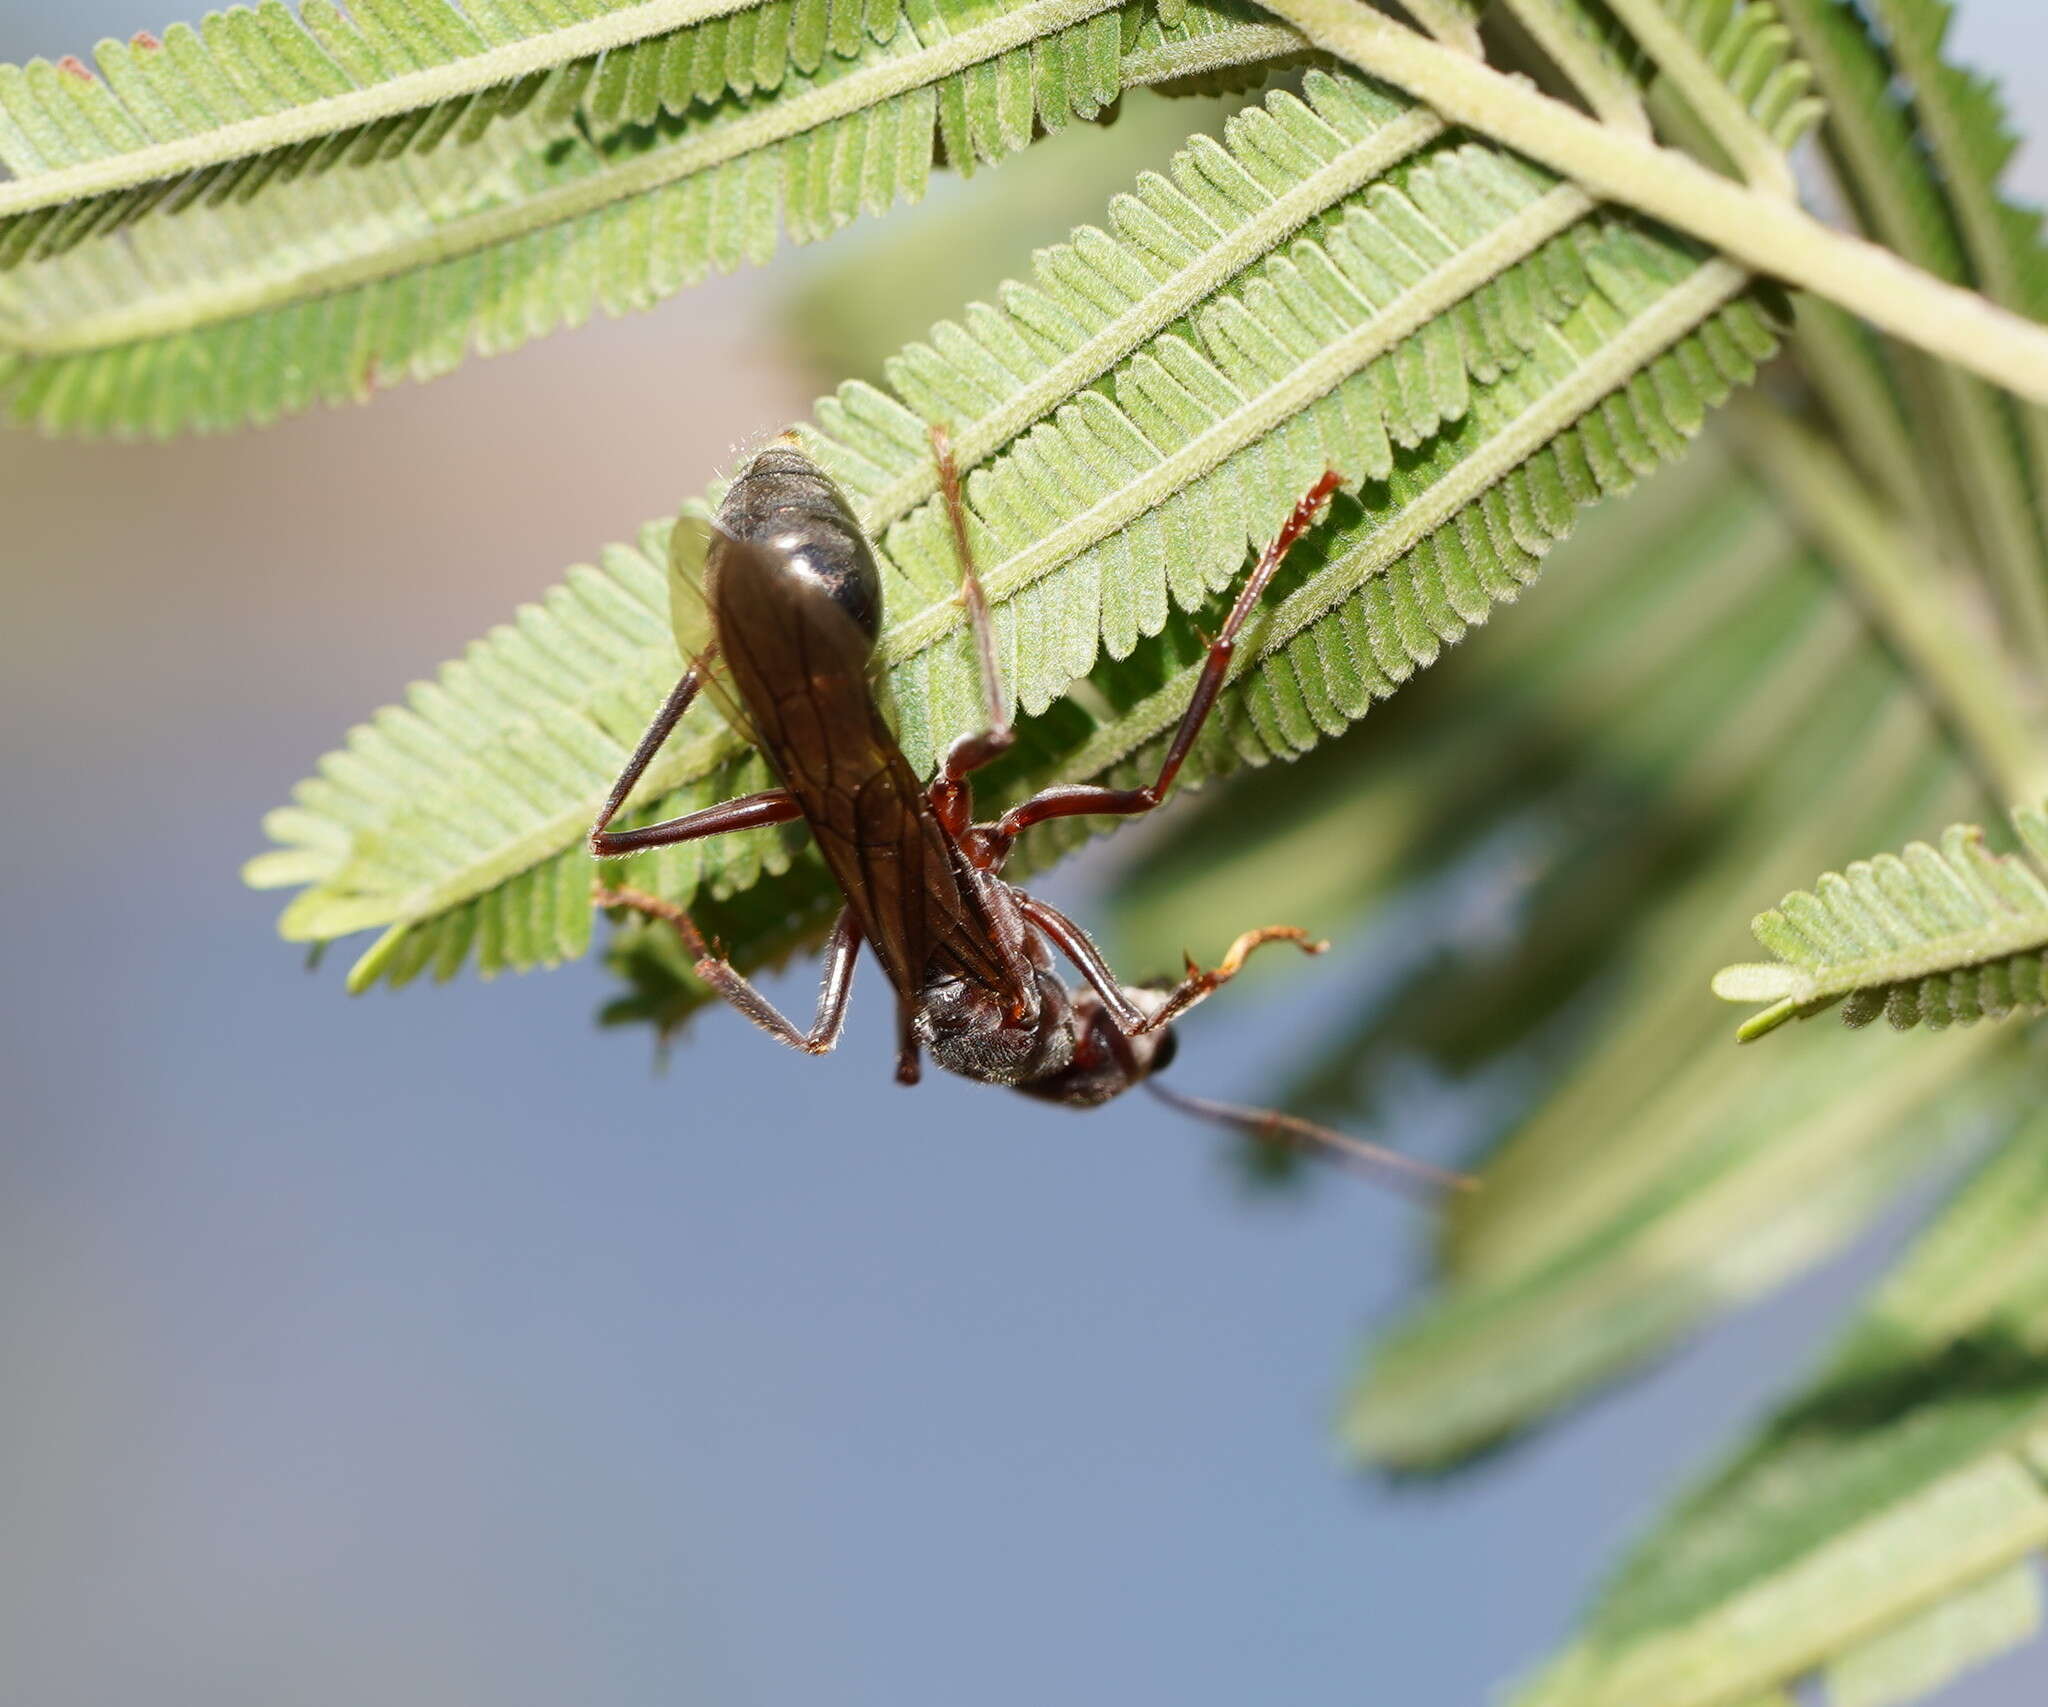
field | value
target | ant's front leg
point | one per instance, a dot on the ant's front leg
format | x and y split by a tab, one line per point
952	796
1082	800
1076	944
727	980
1198	985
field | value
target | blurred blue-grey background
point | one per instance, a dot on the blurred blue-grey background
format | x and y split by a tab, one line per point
432	1348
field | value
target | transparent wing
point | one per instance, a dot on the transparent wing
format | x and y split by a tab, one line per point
690	616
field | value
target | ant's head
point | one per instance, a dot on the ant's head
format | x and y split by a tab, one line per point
1106	1062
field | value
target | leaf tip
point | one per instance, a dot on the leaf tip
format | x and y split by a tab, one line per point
1762	1024
1755	981
370	965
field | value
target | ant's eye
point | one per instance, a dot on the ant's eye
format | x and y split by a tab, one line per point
1167	1048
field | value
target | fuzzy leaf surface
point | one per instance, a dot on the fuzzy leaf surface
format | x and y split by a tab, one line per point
1882	1532
315	270
1337	284
1935	936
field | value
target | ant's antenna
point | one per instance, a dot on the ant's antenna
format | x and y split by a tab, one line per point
1388	1167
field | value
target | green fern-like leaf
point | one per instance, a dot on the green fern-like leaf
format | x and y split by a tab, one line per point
1881	1533
1336	286
1963	121
1930	191
1732	66
1939	937
1643	1185
1688	703
255	97
272	280
1969	138
1746	43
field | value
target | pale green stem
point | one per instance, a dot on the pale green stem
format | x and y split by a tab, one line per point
1455	23
166	313
975	442
1909	602
1607	86
412	92
1656	329
1759	159
1242	44
1771	236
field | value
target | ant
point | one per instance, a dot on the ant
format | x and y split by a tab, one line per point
794	605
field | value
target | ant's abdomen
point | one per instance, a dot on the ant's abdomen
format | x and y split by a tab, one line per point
804	530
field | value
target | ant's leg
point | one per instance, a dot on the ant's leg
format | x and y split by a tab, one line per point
951	796
908	1071
1076	944
1077	800
751	811
723	977
716	820
1199	985
748	812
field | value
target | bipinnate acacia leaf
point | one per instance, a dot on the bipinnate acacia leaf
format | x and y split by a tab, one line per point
272	211
1882	1532
1337	284
1932	936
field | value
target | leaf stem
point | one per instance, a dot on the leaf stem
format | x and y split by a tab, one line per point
1605	84
1971	684
1707	93
412	92
1773	237
975	442
1657	328
165	313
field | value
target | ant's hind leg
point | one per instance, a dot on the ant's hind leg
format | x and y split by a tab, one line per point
748	812
665	720
725	978
950	794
